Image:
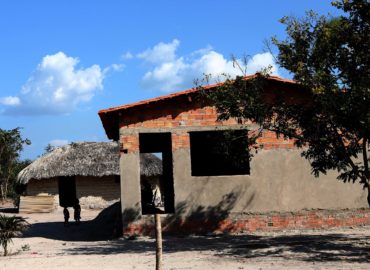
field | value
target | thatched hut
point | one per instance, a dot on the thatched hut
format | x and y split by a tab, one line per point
88	171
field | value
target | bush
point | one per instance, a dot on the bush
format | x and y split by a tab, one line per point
10	227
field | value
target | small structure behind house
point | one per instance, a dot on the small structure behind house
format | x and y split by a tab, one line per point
87	171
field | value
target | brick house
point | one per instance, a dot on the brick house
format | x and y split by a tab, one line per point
204	190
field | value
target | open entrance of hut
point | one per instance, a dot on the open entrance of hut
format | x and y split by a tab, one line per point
157	193
67	191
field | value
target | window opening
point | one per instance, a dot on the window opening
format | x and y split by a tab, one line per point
219	153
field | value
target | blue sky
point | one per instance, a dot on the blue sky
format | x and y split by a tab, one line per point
63	61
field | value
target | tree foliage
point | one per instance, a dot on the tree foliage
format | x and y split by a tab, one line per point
49	148
11	144
329	58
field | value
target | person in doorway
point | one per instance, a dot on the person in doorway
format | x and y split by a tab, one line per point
77	211
66	216
147	197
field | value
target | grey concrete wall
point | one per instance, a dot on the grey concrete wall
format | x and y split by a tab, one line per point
130	184
280	180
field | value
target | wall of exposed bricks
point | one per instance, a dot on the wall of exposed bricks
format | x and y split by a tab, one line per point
314	219
180	141
269	140
174	115
182	115
129	143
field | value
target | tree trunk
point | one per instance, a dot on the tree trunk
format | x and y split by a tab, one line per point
158	238
2	191
368	191
5	246
6	190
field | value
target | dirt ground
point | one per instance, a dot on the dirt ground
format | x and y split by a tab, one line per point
50	245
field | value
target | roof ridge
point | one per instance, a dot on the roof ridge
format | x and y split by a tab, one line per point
186	92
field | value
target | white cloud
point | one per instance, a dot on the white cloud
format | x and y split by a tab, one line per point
127	56
160	53
10	101
117	67
58	142
114	67
260	61
169	72
57	86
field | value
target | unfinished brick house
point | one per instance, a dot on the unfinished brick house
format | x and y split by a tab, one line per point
203	190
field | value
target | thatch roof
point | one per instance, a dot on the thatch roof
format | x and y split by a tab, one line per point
85	159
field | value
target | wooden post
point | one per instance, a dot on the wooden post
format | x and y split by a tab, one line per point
158	238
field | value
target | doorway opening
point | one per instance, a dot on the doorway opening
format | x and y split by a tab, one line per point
67	191
157	192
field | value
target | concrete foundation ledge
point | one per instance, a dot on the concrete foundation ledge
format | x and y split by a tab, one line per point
252	222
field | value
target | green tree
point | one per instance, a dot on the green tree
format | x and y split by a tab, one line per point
16	189
49	148
329	58
11	144
10	227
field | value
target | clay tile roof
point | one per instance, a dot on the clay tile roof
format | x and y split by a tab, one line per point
109	117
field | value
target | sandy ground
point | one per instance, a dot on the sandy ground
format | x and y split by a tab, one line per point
50	245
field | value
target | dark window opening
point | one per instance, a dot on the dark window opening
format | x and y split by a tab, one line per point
219	153
157	192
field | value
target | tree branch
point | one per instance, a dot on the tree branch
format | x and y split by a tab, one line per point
364	156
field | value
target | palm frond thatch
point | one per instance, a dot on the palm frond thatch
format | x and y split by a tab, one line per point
85	159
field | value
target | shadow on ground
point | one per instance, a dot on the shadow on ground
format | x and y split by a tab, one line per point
312	247
107	225
315	248
8	210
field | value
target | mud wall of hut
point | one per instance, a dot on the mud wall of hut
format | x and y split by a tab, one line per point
93	192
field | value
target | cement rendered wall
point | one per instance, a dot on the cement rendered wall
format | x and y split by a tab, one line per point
280	180
280	190
130	187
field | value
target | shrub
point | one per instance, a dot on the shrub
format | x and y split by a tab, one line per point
10	227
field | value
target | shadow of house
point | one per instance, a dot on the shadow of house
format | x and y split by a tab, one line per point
341	247
106	226
185	220
202	219
305	247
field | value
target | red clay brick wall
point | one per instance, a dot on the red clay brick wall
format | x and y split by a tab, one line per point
319	219
180	141
269	140
183	113
170	116
315	219
129	143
